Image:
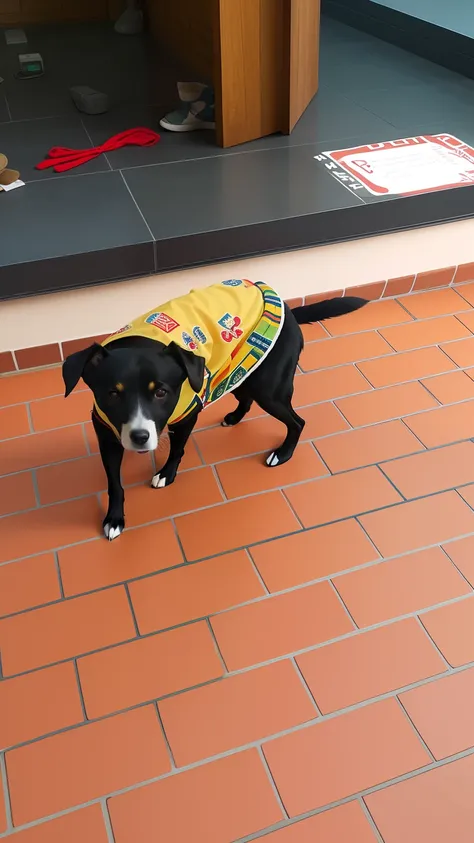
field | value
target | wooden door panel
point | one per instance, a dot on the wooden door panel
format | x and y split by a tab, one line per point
303	57
266	65
248	68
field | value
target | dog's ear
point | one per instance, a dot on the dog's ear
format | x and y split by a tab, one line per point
74	365
192	363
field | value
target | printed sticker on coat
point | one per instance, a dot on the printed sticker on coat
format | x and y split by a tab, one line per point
219	391
232	282
236	377
259	341
199	335
188	340
231	327
163	321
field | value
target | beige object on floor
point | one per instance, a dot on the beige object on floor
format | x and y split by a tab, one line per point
7	176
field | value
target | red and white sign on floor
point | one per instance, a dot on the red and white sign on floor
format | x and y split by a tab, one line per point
406	166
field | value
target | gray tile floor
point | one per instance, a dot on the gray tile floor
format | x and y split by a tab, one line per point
369	91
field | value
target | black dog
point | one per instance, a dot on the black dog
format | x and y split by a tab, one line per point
138	381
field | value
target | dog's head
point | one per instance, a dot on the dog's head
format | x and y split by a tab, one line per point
136	388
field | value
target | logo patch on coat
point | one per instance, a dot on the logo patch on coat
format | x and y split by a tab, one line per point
231	327
188	340
162	321
199	335
259	341
236	377
232	282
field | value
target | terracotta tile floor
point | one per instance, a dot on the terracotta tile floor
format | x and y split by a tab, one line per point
281	655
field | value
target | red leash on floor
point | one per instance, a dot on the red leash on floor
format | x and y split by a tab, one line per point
60	158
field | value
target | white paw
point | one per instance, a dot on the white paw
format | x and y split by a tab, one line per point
112	533
158	482
224	424
272	459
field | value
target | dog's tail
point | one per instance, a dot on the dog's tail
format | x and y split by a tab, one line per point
327	309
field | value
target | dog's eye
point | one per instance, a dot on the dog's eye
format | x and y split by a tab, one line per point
113	394
160	392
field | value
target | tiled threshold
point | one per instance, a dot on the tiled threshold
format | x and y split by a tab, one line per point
41	331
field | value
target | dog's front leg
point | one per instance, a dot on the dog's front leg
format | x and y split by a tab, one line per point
179	434
111	452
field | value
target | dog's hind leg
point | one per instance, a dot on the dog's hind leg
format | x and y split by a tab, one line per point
236	416
282	410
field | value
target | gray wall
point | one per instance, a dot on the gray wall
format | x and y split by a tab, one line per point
457	15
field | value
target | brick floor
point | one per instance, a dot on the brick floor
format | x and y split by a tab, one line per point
280	655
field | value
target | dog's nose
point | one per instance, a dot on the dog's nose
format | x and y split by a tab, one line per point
139	437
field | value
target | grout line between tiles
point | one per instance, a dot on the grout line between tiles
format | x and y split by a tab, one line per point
6	792
370	820
353	365
458	493
344	417
59	575
379	333
423	447
107	821
34	481
216	647
80	692
329	473
219	485
381	467
279	826
379	558
15	361
272	782
443	550
136	204
256	571
180	545
433	642
306	686
290	505
343	605
415	729
174	766
30	421
88	447
194	438
132	610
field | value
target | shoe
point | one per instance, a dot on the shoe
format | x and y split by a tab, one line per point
130	21
197	111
